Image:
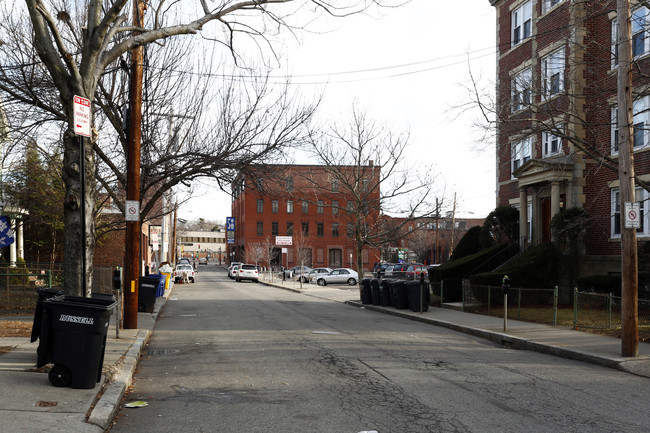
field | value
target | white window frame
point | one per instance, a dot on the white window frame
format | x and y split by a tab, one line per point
641	123
547	5
640	34
521	152
521	88
553	69
521	23
641	196
547	144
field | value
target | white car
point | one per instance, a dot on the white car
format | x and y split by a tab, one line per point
301	274
182	271
246	272
312	276
203	261
339	276
231	269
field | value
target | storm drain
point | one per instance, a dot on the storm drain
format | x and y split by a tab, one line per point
154	352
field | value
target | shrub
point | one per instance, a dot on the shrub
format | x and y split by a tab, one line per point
500	226
469	244
482	261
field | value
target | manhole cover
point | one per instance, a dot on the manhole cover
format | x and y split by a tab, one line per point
162	351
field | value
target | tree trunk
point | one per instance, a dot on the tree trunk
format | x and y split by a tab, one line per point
78	241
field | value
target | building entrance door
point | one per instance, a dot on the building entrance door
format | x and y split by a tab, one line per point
336	258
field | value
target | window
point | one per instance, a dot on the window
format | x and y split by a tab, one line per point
290	184
548	4
551	144
641	110
553	73
305	229
275	206
640	41
289	206
335	207
521	152
274	229
320	229
260	206
335	185
521	20
259	184
260	228
521	89
289	229
320	205
641	196
350	206
305	207
335	229
350	230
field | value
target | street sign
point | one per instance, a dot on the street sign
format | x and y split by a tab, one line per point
82	115
283	240
632	215
132	210
230	224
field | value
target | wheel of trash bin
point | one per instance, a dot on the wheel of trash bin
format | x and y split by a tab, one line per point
60	376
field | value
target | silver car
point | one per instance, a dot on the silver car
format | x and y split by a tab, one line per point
339	276
312	276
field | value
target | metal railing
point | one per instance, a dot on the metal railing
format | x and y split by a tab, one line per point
586	310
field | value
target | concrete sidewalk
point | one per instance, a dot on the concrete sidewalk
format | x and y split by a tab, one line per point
553	340
29	403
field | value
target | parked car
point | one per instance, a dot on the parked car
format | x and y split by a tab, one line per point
232	270
246	272
184	260
314	273
203	261
388	272
399	270
183	268
301	274
339	276
414	270
379	269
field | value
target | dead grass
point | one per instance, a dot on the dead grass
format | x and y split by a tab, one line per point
11	328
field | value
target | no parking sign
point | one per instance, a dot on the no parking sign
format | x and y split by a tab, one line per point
632	216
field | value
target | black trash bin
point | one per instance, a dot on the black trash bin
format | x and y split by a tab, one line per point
400	294
43	294
386	296
366	291
73	337
149	288
418	295
376	294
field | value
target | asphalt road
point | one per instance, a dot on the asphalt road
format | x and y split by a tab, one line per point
243	357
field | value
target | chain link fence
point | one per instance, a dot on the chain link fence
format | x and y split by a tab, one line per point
19	285
591	311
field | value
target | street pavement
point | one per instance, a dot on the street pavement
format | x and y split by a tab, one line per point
29	403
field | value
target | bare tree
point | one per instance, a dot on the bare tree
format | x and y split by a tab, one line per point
76	46
366	163
255	253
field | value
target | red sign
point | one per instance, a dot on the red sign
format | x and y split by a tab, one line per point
82	115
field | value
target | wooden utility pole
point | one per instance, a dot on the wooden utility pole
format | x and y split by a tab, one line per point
133	232
629	264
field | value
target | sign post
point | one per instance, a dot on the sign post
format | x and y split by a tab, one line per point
82	118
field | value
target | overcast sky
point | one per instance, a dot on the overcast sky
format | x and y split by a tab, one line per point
406	68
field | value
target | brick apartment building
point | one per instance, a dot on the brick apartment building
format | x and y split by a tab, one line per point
557	144
314	205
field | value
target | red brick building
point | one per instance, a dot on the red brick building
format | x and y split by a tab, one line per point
316	206
557	144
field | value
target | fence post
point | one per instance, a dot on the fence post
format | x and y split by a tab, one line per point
519	303
489	300
610	298
442	285
555	296
49	278
575	308
462	291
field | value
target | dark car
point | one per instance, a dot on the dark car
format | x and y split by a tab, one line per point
379	269
399	270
